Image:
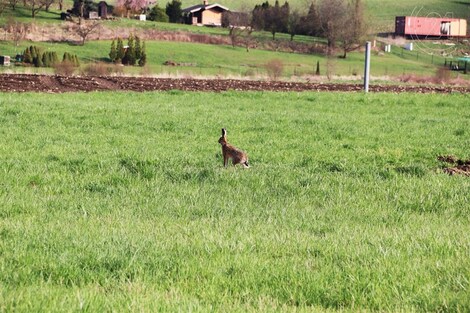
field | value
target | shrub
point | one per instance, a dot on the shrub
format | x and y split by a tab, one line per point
101	69
274	68
157	14
113	52
443	75
71	58
65	68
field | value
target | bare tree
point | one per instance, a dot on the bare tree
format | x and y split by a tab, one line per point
3	5
352	37
294	24
132	5
332	15
11	3
237	24
342	21
47	4
85	28
35	6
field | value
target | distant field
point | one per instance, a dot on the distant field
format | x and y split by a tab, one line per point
119	202
382	13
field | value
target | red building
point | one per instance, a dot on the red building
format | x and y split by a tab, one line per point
416	26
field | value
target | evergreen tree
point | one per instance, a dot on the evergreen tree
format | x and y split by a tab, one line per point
119	50
45	59
174	11
113	52
129	56
157	14
75	60
54	58
143	56
38	61
27	58
138	49
260	15
34	52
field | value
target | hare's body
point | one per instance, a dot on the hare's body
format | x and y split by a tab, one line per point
231	152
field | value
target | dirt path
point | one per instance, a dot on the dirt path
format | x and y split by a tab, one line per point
59	84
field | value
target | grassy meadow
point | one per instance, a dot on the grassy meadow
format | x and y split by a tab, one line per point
119	202
224	60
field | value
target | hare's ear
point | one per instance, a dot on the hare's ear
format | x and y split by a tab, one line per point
224	132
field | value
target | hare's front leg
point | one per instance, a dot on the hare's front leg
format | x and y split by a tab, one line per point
225	159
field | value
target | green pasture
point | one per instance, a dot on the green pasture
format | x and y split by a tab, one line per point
381	14
223	60
119	202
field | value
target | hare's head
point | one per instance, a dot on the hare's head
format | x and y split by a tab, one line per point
223	139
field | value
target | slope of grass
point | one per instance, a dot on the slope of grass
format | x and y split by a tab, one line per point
119	202
381	14
202	59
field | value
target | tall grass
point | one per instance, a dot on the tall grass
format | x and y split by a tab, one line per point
119	202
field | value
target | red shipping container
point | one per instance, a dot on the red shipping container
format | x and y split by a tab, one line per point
430	26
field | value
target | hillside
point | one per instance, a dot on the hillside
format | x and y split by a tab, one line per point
382	13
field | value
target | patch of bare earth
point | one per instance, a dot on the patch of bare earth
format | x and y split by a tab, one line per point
460	167
58	84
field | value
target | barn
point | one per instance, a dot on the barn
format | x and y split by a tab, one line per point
415	26
204	14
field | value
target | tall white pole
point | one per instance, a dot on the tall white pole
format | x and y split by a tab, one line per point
367	67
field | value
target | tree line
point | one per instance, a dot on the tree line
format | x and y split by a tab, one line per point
341	22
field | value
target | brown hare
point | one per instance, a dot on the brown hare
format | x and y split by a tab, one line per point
230	152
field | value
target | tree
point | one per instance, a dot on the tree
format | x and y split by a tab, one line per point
333	18
35	6
4	4
129	56
259	16
173	11
157	14
237	23
112	52
294	24
137	48
82	8
340	22
352	35
27	58
47	4
119	50
132	5
12	3
143	56
311	22
85	28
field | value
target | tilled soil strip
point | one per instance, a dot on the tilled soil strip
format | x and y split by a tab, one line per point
461	167
59	84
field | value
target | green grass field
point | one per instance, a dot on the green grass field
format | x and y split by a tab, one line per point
381	14
204	60
119	202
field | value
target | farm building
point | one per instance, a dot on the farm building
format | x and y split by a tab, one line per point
204	14
414	26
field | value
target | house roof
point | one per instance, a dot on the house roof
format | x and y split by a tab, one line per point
200	7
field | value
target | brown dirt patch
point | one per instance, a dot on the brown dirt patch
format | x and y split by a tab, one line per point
59	84
461	167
